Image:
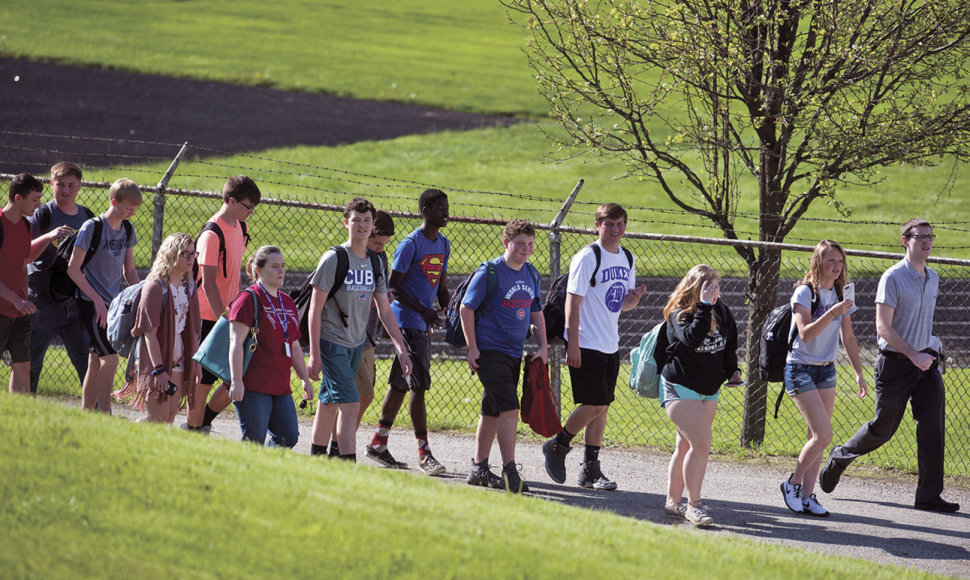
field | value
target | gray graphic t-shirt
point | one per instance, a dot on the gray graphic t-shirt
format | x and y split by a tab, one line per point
106	270
38	270
354	299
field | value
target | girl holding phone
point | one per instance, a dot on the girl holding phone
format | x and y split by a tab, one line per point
810	367
702	355
168	318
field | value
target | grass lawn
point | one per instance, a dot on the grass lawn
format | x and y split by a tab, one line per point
446	53
108	498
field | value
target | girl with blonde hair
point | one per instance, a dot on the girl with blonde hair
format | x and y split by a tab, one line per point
702	355
810	366
168	320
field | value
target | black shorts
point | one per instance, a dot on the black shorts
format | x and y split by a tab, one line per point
207	377
594	383
499	374
15	338
419	351
99	336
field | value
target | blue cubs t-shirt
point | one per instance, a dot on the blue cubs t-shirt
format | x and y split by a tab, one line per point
504	324
422	262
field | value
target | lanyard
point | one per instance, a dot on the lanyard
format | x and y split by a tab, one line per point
283	319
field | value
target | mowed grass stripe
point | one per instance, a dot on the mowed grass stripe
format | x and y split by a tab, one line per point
94	496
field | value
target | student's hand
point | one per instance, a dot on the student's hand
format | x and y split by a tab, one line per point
543	353
236	391
860	381
431	318
472	357
25	306
314	368
923	361
405	361
735	380
637	292
710	292
161	381
842	308
60	233
573	357
307	389
102	314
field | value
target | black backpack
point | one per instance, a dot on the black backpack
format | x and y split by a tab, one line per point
454	334
43	217
214	227
301	298
554	311
777	338
62	287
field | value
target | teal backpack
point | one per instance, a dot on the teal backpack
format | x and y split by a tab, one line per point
647	360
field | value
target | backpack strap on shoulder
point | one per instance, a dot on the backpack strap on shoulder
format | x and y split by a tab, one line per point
44	218
95	240
340	275
245	232
597	252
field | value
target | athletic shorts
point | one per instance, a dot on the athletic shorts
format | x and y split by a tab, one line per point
99	336
419	350
366	373
207	377
674	392
594	383
15	338
499	374
801	378
337	382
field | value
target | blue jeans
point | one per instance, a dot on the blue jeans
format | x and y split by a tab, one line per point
259	413
57	319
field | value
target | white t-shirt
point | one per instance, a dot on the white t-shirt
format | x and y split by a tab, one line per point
599	313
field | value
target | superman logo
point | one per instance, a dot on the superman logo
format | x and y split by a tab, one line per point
432	265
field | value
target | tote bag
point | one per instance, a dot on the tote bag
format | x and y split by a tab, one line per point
213	353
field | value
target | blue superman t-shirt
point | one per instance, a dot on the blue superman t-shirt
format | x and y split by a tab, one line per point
422	262
504	324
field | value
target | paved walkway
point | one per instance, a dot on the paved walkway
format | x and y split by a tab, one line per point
872	518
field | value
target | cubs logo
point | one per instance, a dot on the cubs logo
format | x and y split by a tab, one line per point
362	296
432	265
521	314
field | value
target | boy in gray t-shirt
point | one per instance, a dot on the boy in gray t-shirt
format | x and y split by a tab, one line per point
338	328
112	264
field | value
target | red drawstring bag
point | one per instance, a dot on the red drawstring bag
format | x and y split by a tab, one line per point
538	406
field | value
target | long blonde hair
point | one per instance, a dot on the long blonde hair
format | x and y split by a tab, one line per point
688	292
813	277
168	258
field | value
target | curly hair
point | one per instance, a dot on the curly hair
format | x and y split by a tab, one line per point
168	258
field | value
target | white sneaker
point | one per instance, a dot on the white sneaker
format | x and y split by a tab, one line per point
698	515
678	511
792	495
811	507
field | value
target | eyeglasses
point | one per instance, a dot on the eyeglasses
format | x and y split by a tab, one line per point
247	206
922	237
189	254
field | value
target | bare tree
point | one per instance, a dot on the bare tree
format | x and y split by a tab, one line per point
799	96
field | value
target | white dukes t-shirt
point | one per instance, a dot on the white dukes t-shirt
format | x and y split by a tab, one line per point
599	313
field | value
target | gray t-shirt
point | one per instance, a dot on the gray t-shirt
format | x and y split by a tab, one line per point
914	299
824	348
106	270
38	270
354	299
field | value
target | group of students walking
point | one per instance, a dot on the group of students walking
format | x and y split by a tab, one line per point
354	291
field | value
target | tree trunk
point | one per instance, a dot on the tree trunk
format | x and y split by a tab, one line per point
762	289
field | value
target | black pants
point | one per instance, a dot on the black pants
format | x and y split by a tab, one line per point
899	381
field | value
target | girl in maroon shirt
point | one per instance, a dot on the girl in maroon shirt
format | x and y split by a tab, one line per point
264	399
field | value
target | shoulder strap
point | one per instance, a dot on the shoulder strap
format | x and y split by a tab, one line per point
596	252
26	223
375	264
245	231
340	275
95	240
87	212
44	218
129	231
629	256
214	228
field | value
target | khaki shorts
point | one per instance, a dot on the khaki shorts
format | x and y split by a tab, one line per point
366	373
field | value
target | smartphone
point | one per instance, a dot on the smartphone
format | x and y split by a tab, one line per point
172	387
848	292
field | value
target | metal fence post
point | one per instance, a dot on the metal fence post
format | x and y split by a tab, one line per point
158	213
555	257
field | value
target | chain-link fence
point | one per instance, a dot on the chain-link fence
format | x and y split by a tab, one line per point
305	230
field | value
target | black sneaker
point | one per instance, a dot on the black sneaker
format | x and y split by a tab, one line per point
829	477
334	449
512	480
384	458
555	454
937	504
591	477
482	475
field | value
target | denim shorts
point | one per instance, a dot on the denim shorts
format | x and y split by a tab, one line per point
801	378
674	392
